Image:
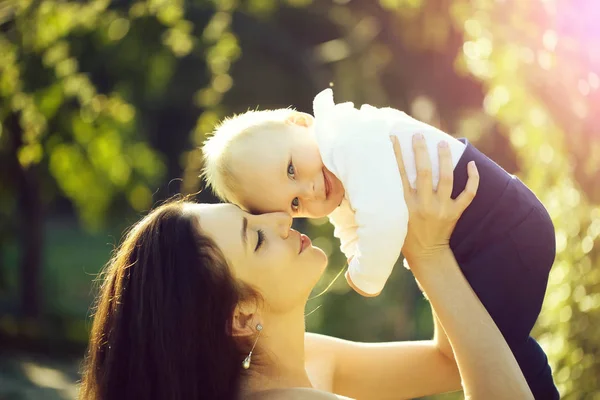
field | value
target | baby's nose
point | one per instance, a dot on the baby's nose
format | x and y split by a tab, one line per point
308	191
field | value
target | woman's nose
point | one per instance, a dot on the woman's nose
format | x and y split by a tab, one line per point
284	223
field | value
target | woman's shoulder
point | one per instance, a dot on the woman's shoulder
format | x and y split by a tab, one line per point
320	360
295	394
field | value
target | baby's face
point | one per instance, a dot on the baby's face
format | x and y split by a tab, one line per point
283	171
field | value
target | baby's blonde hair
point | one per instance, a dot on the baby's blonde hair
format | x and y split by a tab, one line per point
217	149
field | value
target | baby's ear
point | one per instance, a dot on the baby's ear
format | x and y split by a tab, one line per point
300	119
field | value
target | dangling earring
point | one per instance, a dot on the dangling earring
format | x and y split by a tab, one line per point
246	363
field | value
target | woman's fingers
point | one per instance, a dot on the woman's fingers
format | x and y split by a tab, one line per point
398	152
467	195
423	164
446	171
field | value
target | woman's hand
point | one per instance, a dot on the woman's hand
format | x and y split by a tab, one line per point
432	213
486	364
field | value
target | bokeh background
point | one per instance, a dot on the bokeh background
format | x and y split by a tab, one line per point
104	103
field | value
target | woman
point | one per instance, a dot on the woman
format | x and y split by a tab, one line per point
207	302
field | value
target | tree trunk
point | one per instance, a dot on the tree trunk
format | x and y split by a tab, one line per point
30	221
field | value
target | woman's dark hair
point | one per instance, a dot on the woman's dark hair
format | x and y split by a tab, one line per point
163	316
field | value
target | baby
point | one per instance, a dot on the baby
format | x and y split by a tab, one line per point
340	164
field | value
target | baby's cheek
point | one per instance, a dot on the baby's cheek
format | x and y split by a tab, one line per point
327	207
316	209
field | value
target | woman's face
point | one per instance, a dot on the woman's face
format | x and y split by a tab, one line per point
263	252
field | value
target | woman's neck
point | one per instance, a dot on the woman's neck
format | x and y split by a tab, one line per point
278	359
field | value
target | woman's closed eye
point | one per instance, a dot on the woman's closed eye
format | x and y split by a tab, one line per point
260	239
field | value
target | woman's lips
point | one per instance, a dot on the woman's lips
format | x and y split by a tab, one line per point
304	242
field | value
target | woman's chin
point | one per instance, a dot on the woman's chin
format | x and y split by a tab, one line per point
323	260
320	253
318	260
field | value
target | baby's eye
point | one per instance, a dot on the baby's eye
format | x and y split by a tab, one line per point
295	204
291	169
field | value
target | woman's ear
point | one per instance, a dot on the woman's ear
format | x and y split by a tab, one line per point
245	319
300	119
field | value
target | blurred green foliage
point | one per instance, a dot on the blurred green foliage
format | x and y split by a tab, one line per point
87	141
104	103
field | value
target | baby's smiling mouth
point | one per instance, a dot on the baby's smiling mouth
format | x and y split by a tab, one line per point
327	184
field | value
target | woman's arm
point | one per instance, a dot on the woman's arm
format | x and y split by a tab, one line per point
413	369
440	338
486	363
439	335
487	366
395	370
